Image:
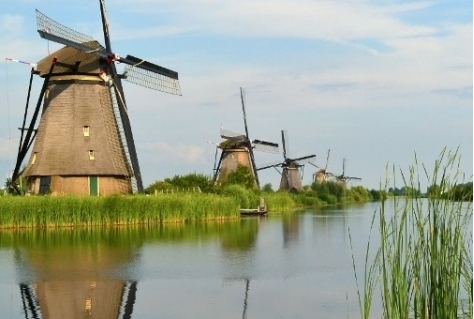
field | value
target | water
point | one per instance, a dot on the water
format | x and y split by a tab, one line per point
292	265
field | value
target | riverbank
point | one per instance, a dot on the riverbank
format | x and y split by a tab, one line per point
76	211
80	211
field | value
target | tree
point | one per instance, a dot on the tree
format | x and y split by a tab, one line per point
241	176
192	181
268	188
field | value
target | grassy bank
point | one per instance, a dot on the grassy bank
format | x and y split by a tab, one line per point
161	207
423	266
47	211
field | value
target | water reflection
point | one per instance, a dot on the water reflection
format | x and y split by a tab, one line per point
92	273
291	228
66	273
247	285
292	265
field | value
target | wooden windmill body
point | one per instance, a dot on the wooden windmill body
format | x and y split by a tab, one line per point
84	144
237	149
233	154
322	175
78	142
344	179
72	283
291	179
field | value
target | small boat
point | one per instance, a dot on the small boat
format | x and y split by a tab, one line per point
259	211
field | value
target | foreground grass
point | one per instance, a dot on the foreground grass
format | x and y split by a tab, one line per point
47	211
423	266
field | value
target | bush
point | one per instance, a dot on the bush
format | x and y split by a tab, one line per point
241	176
186	182
243	196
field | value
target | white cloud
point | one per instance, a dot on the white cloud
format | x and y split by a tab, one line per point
11	25
330	20
181	153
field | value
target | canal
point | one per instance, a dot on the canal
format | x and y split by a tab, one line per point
290	265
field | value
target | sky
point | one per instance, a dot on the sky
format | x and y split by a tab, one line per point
376	82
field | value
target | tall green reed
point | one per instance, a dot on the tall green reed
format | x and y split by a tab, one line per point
423	266
48	211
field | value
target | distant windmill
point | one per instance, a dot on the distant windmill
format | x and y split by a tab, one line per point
343	178
291	179
237	149
84	142
322	175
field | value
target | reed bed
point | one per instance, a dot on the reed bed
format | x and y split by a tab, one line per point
72	211
423	266
279	201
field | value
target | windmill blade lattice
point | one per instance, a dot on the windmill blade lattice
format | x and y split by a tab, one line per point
230	135
55	31
151	79
303	158
137	71
265	146
85	58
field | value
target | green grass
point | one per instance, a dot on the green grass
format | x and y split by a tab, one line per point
48	211
423	266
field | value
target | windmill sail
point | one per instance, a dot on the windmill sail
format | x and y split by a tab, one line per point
85	143
237	149
344	179
291	179
322	175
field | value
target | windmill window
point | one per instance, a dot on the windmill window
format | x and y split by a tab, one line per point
85	130
91	155
33	159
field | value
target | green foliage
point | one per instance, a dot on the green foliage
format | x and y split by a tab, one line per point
242	175
267	188
8	186
49	211
190	182
461	192
404	191
245	197
458	192
423	265
329	192
359	194
279	201
378	195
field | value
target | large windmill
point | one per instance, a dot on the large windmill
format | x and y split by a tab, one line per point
84	142
291	179
237	149
322	175
343	179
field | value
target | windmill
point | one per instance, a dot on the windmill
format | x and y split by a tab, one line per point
343	178
237	149
322	175
84	142
291	179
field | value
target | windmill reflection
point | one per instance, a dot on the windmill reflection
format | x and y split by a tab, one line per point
78	300
247	284
76	273
291	228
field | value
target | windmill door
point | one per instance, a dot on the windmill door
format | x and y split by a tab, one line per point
45	182
93	185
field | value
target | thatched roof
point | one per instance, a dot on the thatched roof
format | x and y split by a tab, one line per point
89	62
61	147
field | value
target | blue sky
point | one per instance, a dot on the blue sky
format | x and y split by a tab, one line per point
374	81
